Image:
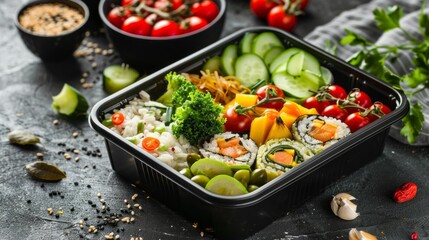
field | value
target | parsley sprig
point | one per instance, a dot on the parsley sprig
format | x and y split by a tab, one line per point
373	59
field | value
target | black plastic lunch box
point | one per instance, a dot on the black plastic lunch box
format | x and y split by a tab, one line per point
234	217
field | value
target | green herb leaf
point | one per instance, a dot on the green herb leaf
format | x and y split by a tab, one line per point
23	137
330	47
44	171
357	58
388	18
424	25
416	77
413	123
374	63
354	39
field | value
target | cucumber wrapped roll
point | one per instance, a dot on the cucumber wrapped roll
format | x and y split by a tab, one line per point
278	156
230	148
318	132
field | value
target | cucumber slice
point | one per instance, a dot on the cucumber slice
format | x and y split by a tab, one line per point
297	87
264	42
70	102
116	77
272	54
246	42
327	76
283	58
250	68
229	55
303	61
212	64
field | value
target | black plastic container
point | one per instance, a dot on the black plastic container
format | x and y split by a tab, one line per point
235	217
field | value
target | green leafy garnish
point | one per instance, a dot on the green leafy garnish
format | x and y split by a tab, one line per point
373	59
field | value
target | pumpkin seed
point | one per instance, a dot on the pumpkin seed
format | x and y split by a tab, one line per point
44	171
23	137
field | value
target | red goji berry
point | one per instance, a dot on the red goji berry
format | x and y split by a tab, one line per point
414	236
405	192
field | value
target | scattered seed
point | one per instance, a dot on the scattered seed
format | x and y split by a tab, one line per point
50	211
76	151
67	156
56	122
76	159
28	201
87	85
134	196
99	195
75	134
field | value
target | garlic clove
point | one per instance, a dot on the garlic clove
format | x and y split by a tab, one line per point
343	207
347	212
355	234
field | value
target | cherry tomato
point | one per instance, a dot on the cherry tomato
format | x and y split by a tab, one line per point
261	8
312	102
150	143
118	15
206	9
127	2
167	5
118	118
379	109
165	28
137	25
302	4
238	123
335	111
356	121
277	17
337	91
191	24
360	98
273	92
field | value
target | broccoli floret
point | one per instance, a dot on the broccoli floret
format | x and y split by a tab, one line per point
199	117
178	90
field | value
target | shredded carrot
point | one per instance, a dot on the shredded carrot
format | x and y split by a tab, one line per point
222	88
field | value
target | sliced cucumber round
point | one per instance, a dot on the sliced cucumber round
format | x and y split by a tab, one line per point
116	77
246	42
264	42
212	64
297	87
70	102
250	69
303	61
229	55
272	54
327	76
283	58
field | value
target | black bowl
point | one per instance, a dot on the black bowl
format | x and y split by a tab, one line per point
54	47
152	53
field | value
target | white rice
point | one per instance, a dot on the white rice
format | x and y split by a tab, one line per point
172	151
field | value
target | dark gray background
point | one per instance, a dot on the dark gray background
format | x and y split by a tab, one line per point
26	87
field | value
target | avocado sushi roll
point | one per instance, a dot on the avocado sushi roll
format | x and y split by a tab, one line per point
230	148
278	156
318	132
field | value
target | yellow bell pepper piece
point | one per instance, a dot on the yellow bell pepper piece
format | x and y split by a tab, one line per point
278	130
260	128
246	100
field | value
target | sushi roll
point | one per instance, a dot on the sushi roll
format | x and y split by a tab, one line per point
230	148
278	156
318	132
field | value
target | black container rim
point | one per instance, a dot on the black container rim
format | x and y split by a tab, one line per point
284	180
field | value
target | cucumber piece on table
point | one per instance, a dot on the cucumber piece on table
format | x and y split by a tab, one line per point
229	55
116	77
303	61
283	58
297	87
272	54
246	42
250	69
212	64
263	42
70	102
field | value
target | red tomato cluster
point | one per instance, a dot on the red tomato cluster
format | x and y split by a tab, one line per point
277	13
356	108
162	18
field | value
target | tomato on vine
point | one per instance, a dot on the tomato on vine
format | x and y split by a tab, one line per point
237	122
261	8
313	102
280	18
206	9
359	97
356	121
165	28
136	25
335	111
118	15
191	24
378	110
273	92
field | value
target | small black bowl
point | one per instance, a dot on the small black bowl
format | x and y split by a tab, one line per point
152	53
54	47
